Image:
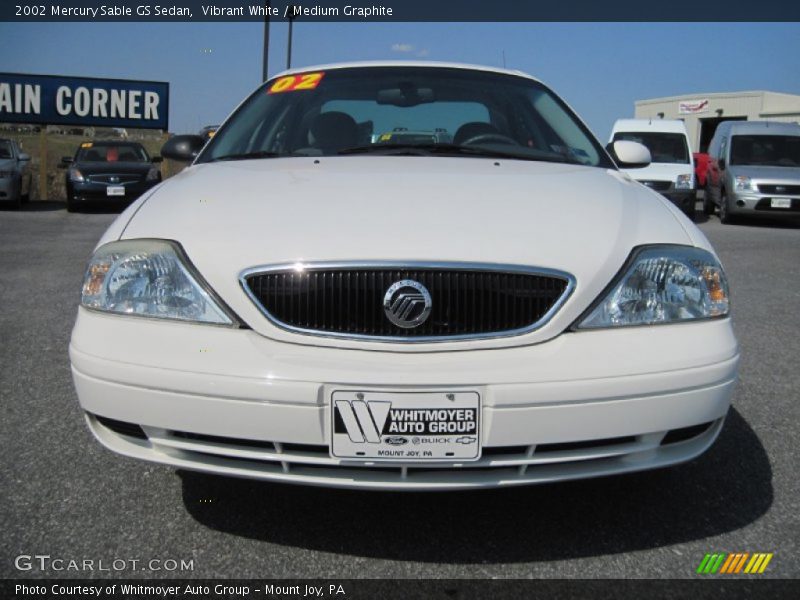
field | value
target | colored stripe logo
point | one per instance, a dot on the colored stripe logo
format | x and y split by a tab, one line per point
734	563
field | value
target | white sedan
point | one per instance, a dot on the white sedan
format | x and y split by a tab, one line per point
320	299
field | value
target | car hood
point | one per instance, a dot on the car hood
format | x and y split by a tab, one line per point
237	215
764	173
100	168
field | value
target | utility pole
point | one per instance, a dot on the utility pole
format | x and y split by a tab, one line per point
289	44
265	68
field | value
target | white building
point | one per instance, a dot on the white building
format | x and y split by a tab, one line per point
703	112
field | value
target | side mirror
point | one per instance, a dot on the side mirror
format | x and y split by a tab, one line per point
184	148
65	162
629	155
156	159
23	157
721	164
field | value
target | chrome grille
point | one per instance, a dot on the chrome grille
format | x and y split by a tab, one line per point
114	179
659	186
777	188
467	301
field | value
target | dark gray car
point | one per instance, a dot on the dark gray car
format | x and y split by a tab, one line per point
15	178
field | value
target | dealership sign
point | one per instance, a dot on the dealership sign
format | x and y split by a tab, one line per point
693	107
86	101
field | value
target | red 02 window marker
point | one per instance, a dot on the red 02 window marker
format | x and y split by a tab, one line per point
292	83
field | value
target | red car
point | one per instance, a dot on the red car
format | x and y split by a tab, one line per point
700	168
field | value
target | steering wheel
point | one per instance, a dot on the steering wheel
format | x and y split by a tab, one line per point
489	138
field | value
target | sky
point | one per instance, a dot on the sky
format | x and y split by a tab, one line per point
600	69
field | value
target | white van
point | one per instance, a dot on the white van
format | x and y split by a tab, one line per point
671	171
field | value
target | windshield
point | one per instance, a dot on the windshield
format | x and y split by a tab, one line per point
112	153
5	149
664	147
767	150
405	111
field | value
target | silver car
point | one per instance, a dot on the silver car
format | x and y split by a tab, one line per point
754	169
14	177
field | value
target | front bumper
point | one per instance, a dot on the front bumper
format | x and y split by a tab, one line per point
233	402
97	192
683	199
756	203
7	189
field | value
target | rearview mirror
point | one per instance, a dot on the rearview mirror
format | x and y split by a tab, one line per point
156	159
184	148
721	163
629	155
65	161
23	157
405	97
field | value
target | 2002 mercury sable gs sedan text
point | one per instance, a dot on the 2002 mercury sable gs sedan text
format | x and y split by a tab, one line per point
495	304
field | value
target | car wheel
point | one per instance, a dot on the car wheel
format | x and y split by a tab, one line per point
691	210
16	199
72	206
708	203
724	210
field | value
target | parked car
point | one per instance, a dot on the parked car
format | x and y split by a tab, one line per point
15	177
101	172
700	169
754	170
401	135
671	171
303	304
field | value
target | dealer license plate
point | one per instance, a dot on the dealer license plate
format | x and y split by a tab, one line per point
115	190
406	427
781	203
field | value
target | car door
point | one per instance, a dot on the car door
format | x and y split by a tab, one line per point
714	173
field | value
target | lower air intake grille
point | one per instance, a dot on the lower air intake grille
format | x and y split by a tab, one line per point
122	427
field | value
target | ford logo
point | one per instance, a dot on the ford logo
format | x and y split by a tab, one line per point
396	440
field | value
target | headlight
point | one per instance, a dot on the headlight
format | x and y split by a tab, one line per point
152	174
149	278
76	175
683	182
663	284
744	184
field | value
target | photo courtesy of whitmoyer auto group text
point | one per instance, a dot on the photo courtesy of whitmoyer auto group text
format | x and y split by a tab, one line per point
399	299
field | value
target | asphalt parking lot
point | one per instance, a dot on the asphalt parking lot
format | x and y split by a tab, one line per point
66	496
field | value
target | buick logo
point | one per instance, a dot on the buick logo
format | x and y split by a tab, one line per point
114	179
780	189
407	303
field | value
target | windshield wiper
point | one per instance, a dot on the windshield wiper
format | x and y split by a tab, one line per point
246	155
454	150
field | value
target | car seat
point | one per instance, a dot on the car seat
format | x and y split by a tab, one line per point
333	131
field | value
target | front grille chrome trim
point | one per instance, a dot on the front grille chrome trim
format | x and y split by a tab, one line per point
410	265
